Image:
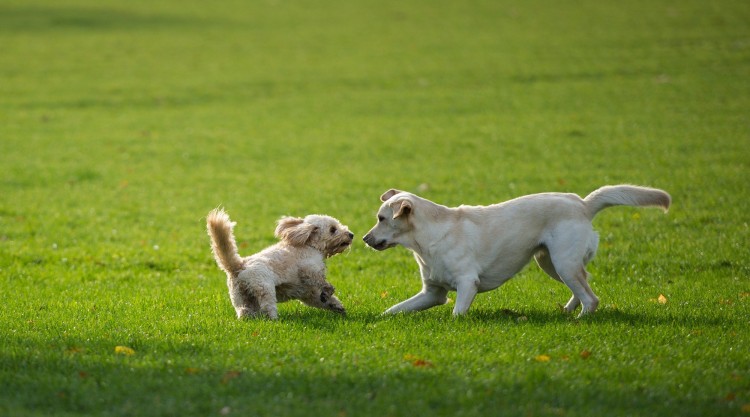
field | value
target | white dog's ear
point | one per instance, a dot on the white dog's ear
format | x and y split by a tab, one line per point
388	194
401	207
294	230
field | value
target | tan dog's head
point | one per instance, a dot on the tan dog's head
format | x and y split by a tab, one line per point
323	233
393	220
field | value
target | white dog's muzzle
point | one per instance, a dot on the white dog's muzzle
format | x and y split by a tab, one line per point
376	244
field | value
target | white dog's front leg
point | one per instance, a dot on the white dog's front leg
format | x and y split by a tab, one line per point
430	296
466	290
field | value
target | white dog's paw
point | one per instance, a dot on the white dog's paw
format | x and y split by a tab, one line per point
589	309
572	305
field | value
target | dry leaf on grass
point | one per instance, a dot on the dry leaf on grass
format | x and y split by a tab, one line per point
418	362
585	354
124	350
230	375
661	299
542	358
72	350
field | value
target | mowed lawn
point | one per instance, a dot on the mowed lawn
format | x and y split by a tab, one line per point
123	123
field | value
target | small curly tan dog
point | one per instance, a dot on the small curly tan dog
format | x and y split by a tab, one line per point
293	269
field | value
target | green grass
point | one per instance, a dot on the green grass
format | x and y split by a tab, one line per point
122	125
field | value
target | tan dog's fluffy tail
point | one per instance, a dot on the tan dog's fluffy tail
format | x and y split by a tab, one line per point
222	241
625	195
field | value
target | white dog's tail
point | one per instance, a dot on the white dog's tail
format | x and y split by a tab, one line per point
625	195
222	241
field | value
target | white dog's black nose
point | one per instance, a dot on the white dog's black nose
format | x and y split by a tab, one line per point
371	242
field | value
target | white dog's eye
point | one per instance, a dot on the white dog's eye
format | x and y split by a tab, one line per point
333	229
381	218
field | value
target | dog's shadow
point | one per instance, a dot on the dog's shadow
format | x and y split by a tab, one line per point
603	316
315	319
326	321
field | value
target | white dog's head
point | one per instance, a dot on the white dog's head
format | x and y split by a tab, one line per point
394	220
323	233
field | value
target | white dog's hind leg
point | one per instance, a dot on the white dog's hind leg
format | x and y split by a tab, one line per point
577	281
572	248
569	262
574	275
584	278
543	260
430	296
572	304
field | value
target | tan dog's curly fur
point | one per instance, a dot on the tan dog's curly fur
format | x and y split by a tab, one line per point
293	269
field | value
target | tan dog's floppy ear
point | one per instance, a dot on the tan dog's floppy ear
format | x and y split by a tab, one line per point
294	230
401	207
388	194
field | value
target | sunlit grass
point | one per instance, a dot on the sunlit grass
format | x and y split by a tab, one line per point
122	126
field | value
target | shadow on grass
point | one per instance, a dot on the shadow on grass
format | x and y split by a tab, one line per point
601	316
38	18
126	386
530	316
328	321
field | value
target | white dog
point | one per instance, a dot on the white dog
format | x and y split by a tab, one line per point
472	249
294	268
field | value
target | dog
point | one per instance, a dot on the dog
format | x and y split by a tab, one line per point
292	269
473	249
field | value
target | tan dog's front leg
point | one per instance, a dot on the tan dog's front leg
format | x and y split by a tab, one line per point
466	290
321	296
